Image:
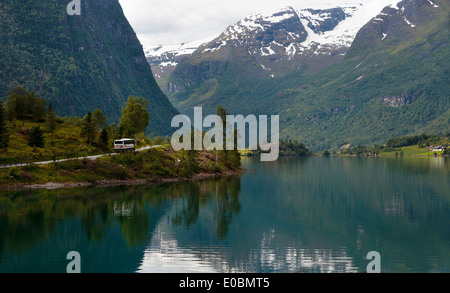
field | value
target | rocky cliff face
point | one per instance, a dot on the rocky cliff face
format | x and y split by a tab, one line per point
78	63
326	19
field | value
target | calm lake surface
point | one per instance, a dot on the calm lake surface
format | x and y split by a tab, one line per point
294	215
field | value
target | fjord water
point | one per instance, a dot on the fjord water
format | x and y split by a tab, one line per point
294	215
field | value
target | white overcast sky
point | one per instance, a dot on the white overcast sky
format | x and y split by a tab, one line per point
177	21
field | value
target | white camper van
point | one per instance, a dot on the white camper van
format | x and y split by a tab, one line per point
124	145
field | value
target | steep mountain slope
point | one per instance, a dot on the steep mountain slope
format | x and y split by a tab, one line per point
164	58
78	63
263	46
394	81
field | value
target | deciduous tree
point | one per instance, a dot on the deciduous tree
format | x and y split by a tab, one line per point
23	105
99	119
135	116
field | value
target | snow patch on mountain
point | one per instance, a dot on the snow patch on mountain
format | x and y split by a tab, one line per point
176	49
345	32
408	22
433	4
258	22
274	16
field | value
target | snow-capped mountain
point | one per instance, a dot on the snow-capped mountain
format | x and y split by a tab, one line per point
164	58
389	75
321	35
294	32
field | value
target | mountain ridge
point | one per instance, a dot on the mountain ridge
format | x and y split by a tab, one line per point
317	24
267	45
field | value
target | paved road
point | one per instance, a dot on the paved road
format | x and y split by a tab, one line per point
65	160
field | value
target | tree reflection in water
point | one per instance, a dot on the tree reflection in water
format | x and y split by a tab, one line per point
224	191
313	215
28	218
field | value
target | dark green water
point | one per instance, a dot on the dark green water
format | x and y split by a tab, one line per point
295	215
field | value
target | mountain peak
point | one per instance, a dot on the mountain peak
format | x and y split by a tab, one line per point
284	18
274	16
325	32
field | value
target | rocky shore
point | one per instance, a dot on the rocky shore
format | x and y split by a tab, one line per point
115	182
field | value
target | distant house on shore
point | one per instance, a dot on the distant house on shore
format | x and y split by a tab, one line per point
440	148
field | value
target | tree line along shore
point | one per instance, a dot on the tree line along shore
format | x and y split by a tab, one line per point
31	132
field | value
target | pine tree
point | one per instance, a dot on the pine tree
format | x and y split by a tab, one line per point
120	131
88	129
223	155
229	158
189	163
235	156
36	137
50	121
104	138
4	135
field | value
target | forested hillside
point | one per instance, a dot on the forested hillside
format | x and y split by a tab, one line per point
77	62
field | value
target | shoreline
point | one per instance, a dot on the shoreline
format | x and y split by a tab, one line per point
391	156
116	182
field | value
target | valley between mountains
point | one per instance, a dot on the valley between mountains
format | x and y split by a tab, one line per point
336	76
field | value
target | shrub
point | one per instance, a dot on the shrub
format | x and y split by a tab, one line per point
15	173
36	137
213	167
26	176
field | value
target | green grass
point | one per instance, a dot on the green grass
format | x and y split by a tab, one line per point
65	142
416	150
153	164
417	146
411	151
